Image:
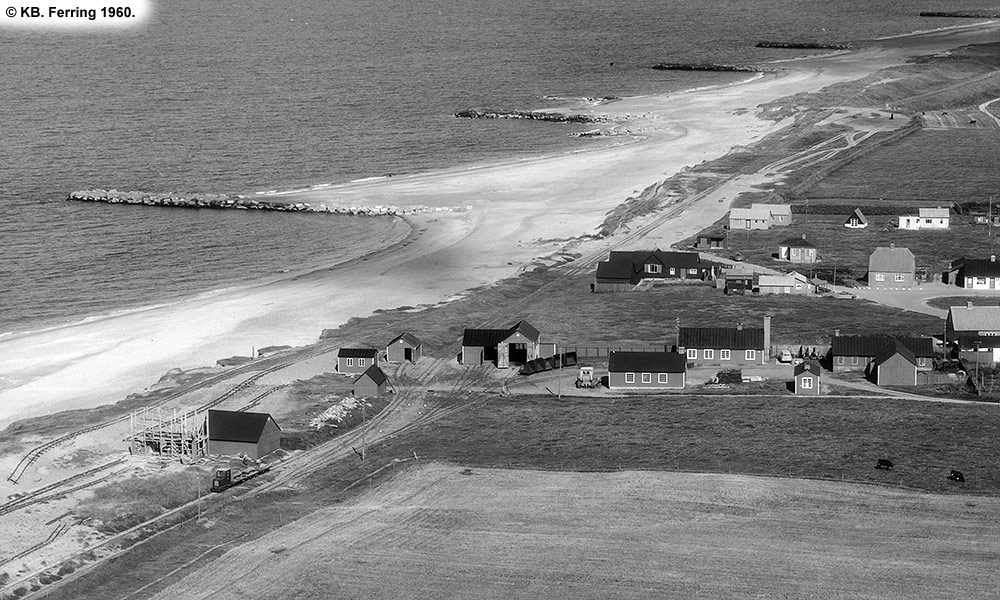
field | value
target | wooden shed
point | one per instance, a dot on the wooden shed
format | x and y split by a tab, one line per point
404	348
895	364
373	383
806	380
233	433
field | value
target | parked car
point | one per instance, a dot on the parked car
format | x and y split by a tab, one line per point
785	357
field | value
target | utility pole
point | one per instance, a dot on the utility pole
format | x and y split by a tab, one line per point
558	373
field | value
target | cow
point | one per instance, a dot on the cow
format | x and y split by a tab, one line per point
884	463
957	476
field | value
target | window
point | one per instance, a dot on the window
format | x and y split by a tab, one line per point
361	362
807	383
854	221
350	362
673	271
724	354
921	361
899	277
751	355
629	377
709	353
980	281
692	353
661	378
879	276
647	378
692	271
654	268
840	360
928	221
854	360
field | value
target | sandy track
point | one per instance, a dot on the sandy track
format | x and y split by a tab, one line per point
436	533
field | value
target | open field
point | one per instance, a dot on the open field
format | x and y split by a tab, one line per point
443	531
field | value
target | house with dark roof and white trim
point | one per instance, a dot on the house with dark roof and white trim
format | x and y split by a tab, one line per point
856	220
514	345
356	360
403	348
797	250
646	371
975	273
975	329
725	346
624	270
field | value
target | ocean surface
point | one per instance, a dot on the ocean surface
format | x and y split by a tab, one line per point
253	96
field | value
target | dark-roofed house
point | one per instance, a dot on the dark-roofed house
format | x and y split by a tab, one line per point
404	348
806	378
373	383
894	364
856	352
856	220
356	360
503	347
711	241
975	273
976	329
623	271
797	250
646	371
725	346
891	268
233	433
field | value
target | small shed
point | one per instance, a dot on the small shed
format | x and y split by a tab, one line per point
806	378
894	364
373	383
233	433
356	360
711	241
856	220
404	348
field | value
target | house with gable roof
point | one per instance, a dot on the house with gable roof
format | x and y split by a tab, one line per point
624	270
403	348
894	364
797	250
373	383
926	218
725	346
792	283
805	378
356	360
856	352
514	345
856	220
891	268
975	273
233	433
975	329
760	216
646	370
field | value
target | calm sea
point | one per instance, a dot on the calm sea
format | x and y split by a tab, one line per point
243	97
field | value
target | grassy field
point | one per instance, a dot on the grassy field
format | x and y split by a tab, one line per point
445	531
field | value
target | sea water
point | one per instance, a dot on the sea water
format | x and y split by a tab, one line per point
251	96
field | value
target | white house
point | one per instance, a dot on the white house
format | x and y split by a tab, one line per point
928	218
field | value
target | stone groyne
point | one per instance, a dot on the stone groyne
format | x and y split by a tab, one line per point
239	202
803	45
961	15
531	115
668	66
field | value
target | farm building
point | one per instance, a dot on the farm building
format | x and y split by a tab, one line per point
726	346
927	218
975	273
356	360
894	365
806	378
515	345
856	352
623	271
233	433
711	241
974	329
792	283
891	268
373	383
856	220
646	371
797	250
404	348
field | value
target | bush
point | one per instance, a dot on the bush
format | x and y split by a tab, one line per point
122	505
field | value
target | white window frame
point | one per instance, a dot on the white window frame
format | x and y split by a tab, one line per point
854	360
673	271
661	378
647	378
879	276
692	271
807	383
361	362
724	354
629	377
840	360
654	268
751	355
979	280
350	362
692	353
899	277
709	354
921	361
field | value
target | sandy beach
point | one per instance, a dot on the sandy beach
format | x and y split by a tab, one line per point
520	211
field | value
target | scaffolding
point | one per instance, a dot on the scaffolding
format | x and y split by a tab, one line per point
170	436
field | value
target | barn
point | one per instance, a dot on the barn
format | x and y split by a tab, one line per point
404	348
373	383
233	433
503	347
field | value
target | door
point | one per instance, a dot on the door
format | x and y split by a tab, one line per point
408	354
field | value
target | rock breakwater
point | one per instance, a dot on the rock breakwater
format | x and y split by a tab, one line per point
671	66
961	15
803	45
531	115
239	202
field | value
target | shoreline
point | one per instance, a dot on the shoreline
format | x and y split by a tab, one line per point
523	209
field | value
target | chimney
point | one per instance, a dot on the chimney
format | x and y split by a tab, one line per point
836	333
803	236
767	339
968	305
993	257
739	326
892	245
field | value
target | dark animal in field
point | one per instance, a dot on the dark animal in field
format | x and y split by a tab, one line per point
972	122
956	476
884	464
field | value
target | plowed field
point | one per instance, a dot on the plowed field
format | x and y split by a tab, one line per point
441	531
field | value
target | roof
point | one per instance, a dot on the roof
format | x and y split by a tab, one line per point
773	209
235	426
797	242
776	281
721	337
892	348
869	345
357	353
975	318
628	265
486	338
809	365
857	215
409	338
933	213
892	260
978	267
375	374
752	214
647	362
